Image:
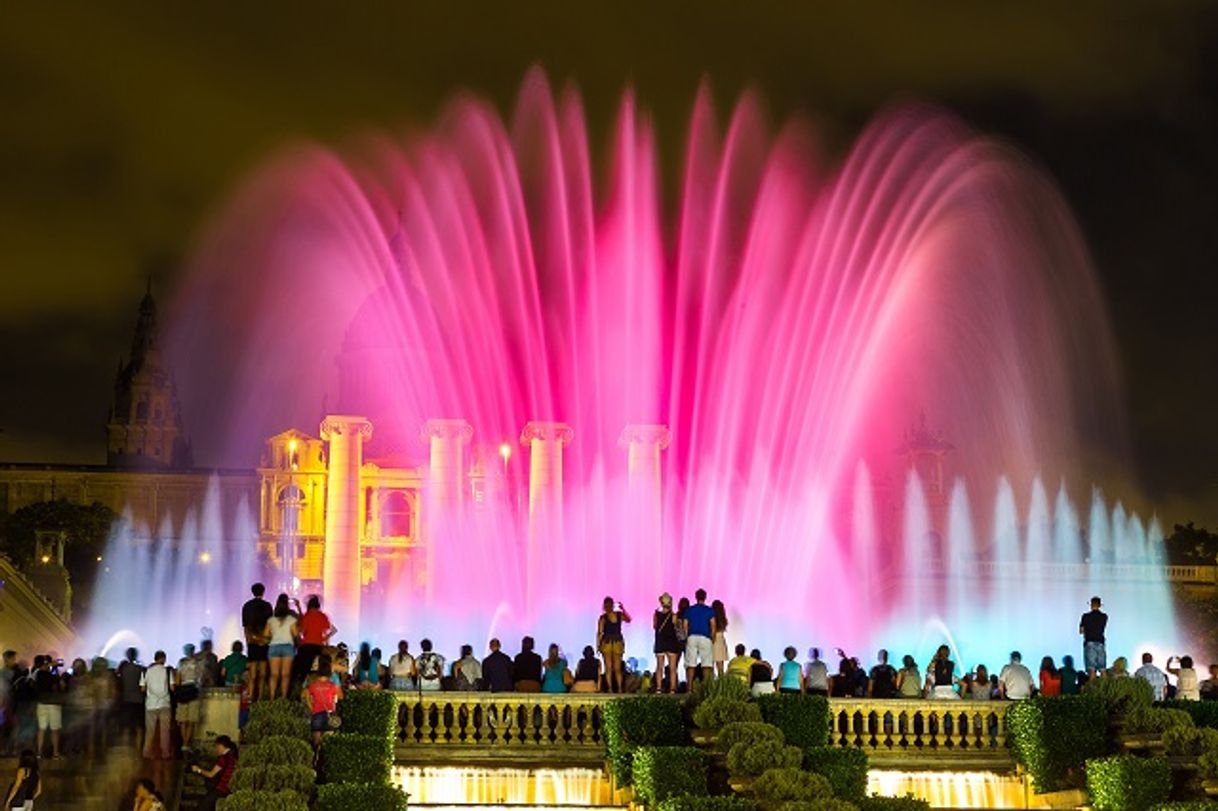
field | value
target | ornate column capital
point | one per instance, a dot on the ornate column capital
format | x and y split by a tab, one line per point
645	434
551	431
447	429
345	425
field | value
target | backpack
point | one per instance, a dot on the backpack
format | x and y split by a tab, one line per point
430	666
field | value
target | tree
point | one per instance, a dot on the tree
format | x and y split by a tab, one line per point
87	530
1189	545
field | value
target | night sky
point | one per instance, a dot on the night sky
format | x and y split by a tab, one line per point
122	130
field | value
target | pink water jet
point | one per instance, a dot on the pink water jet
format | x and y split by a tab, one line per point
786	323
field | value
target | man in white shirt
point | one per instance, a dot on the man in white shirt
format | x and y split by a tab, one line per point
1153	676
155	684
190	677
401	668
1015	680
816	674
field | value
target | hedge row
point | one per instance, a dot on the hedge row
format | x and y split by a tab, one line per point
1053	737
357	761
1128	782
274	770
637	721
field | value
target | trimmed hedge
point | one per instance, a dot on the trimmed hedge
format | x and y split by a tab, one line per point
688	802
1053	737
276	750
791	784
751	759
714	713
1127	782
1122	695
725	686
345	796
906	803
1203	713
369	712
271	777
1187	805
348	758
1155	719
639	721
746	732
661	772
263	801
1190	741
844	768
278	718
803	719
1207	765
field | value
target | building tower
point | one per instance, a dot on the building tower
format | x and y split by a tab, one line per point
145	424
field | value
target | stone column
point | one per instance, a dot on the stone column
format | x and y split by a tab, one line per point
341	566
445	489
643	559
545	441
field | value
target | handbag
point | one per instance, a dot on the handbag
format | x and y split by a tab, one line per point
186	693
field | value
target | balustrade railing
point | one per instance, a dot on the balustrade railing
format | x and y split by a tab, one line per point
573	721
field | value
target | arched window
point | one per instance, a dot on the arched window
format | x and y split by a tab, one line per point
397	515
291	502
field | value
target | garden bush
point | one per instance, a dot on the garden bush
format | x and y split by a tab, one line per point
271	777
350	758
278	750
751	759
661	772
906	803
1155	719
1053	737
1207	764
713	713
1121	695
264	801
728	687
746	732
369	712
1187	805
844	768
639	721
689	802
346	796
823	804
1203	713
1127	782
803	719
791	784
1190	741
277	718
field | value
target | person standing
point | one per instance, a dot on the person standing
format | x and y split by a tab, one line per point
719	641
131	697
281	633
610	642
1015	680
155	683
254	615
188	693
27	785
1092	626
322	695
667	647
497	669
48	689
315	631
233	666
699	632
1153	676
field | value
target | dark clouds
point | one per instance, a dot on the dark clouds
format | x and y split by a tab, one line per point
123	127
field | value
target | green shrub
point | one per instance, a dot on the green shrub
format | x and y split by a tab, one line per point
906	803
1190	741
791	784
746	732
728	687
1155	719
639	721
1053	737
1127	782
275	778
1187	805
844	768
369	712
356	759
1207	764
661	772
713	713
345	796
751	759
1122	695
277	718
823	804
688	802
264	801
1203	713
276	750
803	719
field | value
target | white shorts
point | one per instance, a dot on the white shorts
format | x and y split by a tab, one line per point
50	716
698	651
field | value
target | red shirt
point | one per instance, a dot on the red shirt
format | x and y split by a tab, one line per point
1050	685
313	626
228	764
323	695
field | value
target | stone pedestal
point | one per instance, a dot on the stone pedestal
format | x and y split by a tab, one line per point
341	569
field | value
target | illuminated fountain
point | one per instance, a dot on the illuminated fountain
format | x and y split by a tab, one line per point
478	287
